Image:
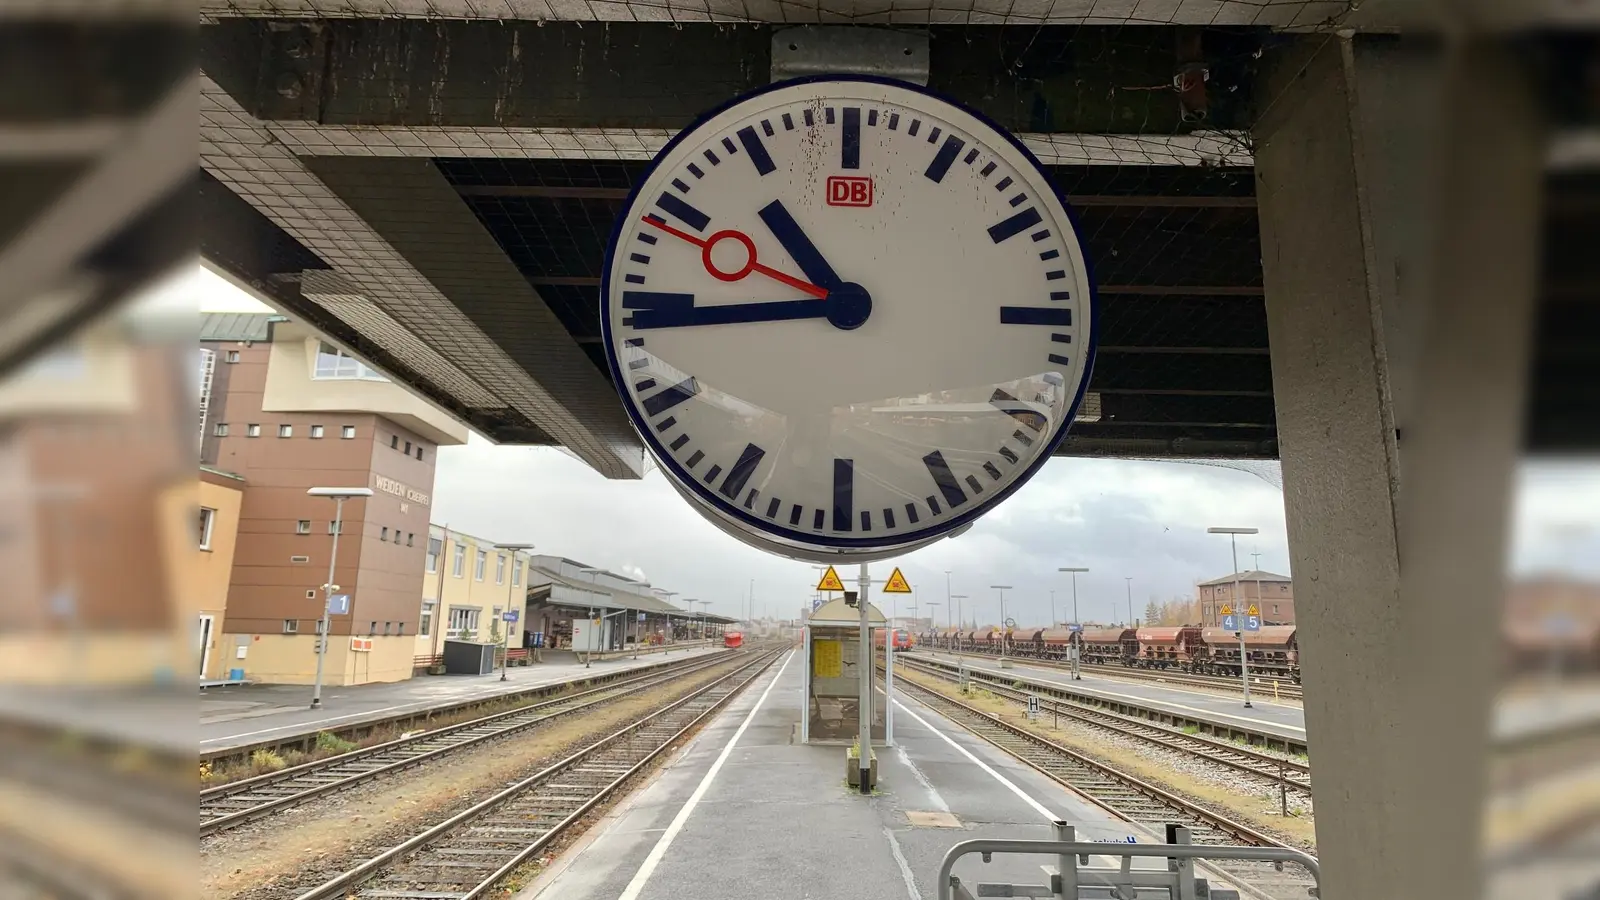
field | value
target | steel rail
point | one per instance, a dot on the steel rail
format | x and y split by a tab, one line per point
1296	774
233	804
497	848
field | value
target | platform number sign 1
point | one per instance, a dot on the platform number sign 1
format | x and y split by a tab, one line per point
847	316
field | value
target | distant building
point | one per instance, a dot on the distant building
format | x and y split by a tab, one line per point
1272	592
467	585
284	410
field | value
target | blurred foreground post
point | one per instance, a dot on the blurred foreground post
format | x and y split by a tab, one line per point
1398	184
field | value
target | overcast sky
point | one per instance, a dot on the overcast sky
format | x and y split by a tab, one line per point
1120	518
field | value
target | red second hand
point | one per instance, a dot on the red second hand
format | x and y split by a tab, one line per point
820	293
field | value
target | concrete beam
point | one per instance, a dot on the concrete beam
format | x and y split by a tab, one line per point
391	302
1398	579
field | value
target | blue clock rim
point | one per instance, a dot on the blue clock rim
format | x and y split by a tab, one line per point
771	528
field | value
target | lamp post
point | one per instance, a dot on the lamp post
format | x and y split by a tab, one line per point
670	595
1005	661
589	658
1077	640
1128	579
339	495
505	659
955	641
1244	661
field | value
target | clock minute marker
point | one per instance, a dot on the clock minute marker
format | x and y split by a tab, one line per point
850	139
741	471
1014	225
945	480
944	159
1036	315
756	150
844	481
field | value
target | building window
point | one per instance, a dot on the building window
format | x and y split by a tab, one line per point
233	356
220	429
419	453
410	536
387	626
347	432
1283	589
384	534
316	625
459	566
464	621
333	363
252	430
1274	609
208	518
435	547
394	442
425	627
302	527
373	628
334	527
291	626
316	431
516	576
480	565
408	448
400	628
499	569
285	431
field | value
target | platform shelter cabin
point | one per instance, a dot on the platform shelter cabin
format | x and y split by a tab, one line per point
832	650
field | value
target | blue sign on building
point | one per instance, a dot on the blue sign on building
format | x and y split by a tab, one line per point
339	605
510	615
1230	622
1252	623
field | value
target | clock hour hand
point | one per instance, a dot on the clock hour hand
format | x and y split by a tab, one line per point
794	240
659	310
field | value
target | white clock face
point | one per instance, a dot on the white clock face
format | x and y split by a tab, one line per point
847	316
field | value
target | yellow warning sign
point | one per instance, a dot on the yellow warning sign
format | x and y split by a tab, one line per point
827	659
1254	610
830	581
1227	609
896	584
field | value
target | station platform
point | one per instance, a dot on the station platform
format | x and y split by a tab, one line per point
249	714
1564	706
745	810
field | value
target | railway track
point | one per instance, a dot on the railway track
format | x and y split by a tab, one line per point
233	804
1127	796
1268	766
465	856
1260	687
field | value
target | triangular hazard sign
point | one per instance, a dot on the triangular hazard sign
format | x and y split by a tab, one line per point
896	584
1227	609
1255	610
830	581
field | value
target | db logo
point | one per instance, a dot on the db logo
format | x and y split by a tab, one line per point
846	191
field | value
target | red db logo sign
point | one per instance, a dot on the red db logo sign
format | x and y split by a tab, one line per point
846	191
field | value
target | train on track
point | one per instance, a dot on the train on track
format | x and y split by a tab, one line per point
733	639
904	640
1272	651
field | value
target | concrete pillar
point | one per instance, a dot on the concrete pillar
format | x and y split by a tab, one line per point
1398	206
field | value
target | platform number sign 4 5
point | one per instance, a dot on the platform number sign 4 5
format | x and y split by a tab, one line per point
847	316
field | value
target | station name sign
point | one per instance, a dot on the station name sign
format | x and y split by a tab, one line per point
403	491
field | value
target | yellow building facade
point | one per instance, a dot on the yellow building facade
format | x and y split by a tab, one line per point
467	584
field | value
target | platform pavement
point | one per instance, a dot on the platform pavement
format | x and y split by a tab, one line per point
1564	705
244	715
776	820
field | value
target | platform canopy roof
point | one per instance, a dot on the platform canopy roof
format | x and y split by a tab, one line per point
560	590
835	614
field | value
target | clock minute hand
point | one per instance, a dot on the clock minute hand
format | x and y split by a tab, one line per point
794	240
653	310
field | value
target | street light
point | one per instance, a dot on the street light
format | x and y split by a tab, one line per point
670	595
587	660
1005	662
958	597
1129	580
338	495
1233	541
1077	646
505	659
